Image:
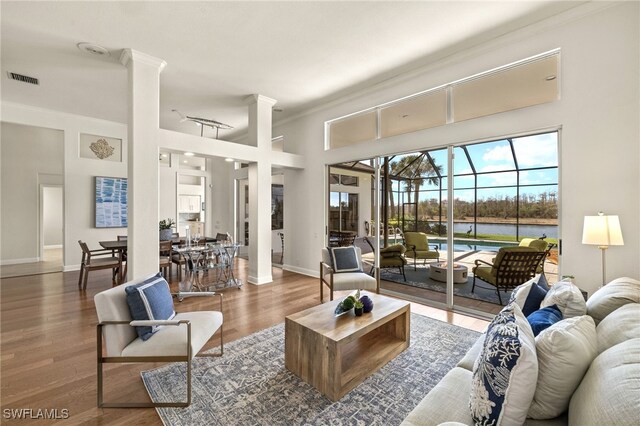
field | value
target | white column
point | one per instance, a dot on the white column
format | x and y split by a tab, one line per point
143	178
260	108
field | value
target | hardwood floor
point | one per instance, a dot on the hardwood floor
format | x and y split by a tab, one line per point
48	339
52	262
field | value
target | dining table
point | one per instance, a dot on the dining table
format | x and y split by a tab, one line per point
119	246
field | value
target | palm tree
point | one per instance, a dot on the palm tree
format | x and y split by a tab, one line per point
418	170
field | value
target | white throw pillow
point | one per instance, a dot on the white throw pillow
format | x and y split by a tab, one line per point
613	295
567	297
609	392
620	325
565	351
505	373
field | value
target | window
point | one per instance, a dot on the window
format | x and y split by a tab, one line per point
343	211
529	82
277	207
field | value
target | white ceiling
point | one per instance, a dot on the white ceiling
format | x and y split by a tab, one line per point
299	53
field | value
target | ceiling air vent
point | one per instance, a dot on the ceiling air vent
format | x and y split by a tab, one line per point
23	78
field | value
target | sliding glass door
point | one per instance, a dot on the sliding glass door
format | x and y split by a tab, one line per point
489	195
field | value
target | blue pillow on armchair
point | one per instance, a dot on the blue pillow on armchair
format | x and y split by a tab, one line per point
150	300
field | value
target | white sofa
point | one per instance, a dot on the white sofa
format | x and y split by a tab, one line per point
609	392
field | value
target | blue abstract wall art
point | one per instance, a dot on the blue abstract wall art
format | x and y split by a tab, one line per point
111	202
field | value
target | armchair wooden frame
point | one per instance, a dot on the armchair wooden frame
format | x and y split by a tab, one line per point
511	270
363	280
135	359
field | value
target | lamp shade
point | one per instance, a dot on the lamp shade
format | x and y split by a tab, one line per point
602	230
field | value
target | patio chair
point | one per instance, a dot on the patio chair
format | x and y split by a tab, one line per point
333	278
512	267
417	244
540	245
391	257
179	339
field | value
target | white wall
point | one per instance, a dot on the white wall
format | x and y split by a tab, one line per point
29	156
78	173
52	216
599	114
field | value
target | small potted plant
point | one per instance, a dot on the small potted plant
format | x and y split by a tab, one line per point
358	308
166	229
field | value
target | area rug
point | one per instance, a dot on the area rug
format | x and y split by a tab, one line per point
249	385
420	279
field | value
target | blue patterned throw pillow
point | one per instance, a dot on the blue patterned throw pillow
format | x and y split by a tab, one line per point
506	372
344	259
150	300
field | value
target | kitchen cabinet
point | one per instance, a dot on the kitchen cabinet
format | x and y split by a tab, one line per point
189	204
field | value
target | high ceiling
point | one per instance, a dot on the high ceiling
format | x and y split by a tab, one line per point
299	53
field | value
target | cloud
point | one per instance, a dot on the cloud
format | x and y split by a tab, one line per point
531	151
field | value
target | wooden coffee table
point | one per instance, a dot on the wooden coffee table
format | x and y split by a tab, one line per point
335	354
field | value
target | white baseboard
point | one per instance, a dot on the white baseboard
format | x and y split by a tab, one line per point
53	246
70	268
19	261
265	279
303	271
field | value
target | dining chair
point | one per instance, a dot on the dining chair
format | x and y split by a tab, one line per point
123	254
93	260
166	260
281	235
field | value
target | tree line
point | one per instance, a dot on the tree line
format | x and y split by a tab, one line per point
541	206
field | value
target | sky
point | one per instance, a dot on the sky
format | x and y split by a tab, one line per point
530	152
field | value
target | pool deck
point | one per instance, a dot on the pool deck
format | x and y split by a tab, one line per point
467	257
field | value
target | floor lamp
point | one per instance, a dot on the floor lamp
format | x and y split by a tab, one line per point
602	231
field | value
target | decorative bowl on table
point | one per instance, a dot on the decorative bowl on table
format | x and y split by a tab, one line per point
362	304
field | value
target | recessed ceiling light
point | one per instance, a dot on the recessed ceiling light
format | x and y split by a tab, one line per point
93	49
189	154
228	160
165	155
184	161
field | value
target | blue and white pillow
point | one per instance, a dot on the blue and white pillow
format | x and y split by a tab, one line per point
150	300
529	296
344	259
505	373
544	318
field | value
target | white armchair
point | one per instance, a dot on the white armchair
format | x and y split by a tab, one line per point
179	340
344	280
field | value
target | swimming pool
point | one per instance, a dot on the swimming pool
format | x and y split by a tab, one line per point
465	245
